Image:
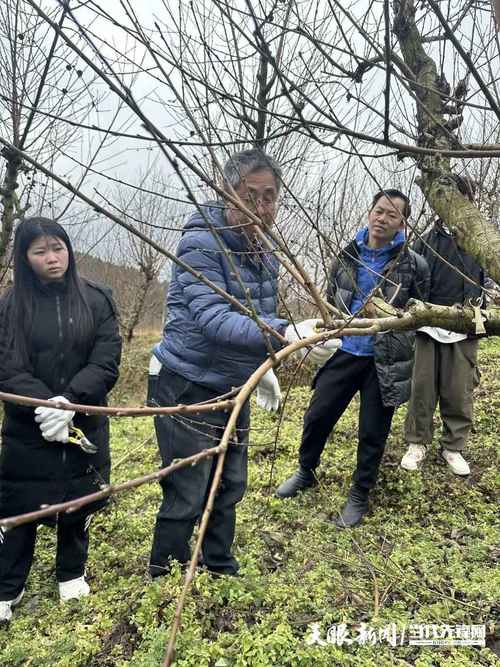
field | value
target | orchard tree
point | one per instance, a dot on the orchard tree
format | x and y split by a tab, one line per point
350	98
42	87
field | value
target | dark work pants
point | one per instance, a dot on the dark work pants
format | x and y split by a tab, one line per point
185	492
17	547
334	387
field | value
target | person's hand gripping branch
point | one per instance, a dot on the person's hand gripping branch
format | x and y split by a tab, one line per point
321	352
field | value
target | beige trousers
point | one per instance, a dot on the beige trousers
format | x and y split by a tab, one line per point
444	373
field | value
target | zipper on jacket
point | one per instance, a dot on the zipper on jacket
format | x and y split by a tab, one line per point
60	332
61	378
59	318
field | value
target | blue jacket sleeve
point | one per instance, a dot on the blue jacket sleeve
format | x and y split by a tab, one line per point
216	317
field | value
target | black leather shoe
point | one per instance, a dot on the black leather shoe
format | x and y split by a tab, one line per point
302	479
354	510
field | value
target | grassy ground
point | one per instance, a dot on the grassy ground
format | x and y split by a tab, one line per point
428	553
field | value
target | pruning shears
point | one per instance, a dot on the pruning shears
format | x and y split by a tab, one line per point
78	437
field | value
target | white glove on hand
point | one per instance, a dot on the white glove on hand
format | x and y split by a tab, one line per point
60	436
321	352
154	366
153	376
53	420
269	392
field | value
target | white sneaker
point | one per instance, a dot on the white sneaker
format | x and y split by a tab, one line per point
456	462
74	589
6	607
414	457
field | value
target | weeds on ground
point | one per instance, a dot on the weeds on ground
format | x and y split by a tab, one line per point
427	553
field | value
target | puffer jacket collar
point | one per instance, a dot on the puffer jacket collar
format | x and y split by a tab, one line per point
214	219
51	289
352	251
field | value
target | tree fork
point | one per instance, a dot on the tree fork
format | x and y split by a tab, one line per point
473	232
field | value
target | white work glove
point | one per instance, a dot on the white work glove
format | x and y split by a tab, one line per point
60	436
53	420
321	352
269	392
153	373
154	366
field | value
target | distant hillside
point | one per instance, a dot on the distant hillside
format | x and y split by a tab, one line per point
125	282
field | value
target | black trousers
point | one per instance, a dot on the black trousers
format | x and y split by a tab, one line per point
185	491
334	387
17	547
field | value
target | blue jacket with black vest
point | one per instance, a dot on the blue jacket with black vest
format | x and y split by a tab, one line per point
403	276
206	339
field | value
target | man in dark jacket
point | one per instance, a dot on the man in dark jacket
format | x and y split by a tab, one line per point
379	366
445	362
209	347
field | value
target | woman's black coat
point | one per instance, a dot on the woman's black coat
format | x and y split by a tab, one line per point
33	471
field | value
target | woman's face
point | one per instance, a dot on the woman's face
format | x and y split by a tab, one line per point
48	257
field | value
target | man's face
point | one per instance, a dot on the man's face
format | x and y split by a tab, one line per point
259	193
385	219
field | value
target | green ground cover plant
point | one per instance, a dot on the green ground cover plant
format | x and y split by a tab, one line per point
427	553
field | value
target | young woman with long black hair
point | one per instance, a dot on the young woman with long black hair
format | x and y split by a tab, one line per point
59	341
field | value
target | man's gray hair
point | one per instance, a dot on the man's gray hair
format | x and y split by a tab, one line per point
246	162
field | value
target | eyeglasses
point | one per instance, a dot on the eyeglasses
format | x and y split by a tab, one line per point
267	200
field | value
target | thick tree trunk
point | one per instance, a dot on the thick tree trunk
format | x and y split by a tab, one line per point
496	12
381	316
473	232
9	213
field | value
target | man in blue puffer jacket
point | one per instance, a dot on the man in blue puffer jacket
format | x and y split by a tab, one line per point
209	347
